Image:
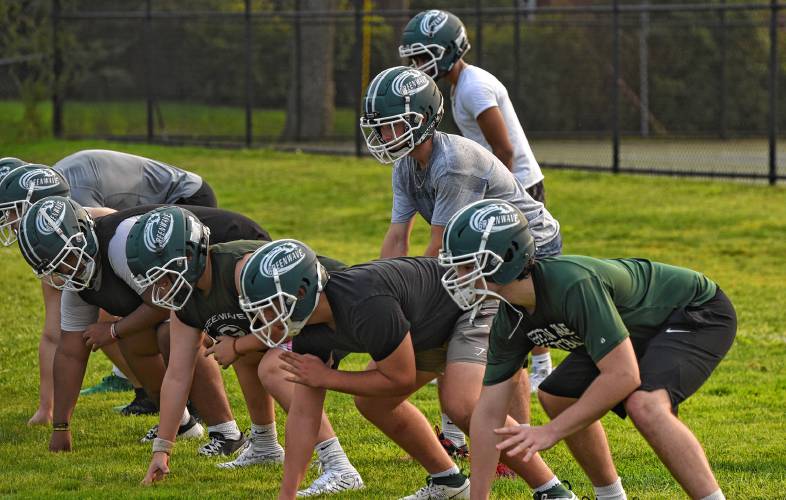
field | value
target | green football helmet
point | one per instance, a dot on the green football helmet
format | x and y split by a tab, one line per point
284	279
486	240
57	239
433	41
168	242
9	163
21	187
408	104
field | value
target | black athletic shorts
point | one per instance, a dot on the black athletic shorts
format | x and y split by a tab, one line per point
680	358
204	197
538	192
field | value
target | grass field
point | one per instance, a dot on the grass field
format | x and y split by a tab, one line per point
733	232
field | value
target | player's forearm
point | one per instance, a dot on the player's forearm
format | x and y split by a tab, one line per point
603	394
174	395
505	156
249	343
303	422
69	370
370	383
143	317
394	245
487	416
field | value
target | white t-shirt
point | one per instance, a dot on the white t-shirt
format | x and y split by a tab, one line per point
478	90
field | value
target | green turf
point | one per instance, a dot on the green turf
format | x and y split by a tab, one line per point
733	232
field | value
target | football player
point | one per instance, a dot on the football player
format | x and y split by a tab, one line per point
396	311
85	259
436	174
198	284
643	337
435	41
97	178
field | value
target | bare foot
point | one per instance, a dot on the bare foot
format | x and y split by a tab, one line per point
41	417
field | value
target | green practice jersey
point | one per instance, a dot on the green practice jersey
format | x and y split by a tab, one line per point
592	304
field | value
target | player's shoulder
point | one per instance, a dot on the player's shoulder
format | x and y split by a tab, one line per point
474	78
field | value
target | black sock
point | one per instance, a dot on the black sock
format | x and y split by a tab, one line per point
453	481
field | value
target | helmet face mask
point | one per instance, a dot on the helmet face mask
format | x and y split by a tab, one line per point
171	289
10	215
280	286
465	280
57	240
423	57
402	132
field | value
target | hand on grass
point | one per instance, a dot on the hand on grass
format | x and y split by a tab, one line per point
159	468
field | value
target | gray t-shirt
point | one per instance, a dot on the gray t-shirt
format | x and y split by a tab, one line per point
102	178
461	172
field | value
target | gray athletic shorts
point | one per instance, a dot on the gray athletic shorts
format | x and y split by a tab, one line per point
468	344
76	314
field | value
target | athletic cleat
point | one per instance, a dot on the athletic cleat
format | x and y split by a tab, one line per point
332	481
252	456
141	405
110	383
505	472
190	429
536	376
452	450
434	491
556	492
220	445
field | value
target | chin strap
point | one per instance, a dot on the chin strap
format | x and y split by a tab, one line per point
489	294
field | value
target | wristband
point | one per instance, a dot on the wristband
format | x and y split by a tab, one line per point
163	445
60	426
234	349
112	331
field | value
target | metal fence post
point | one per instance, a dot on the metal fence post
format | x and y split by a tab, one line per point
249	81
57	70
773	174
644	77
615	92
298	73
724	86
359	74
148	33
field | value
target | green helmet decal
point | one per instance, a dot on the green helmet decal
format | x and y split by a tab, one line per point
283	279
401	108
433	41
486	240
9	163
57	239
168	242
21	187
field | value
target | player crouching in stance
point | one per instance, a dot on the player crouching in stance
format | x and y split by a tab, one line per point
396	311
644	336
197	282
85	259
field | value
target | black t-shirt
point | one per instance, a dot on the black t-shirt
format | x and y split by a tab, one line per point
374	306
113	295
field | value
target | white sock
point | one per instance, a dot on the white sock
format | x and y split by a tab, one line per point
450	431
613	491
716	495
186	417
331	455
541	361
554	481
445	473
229	429
264	437
116	372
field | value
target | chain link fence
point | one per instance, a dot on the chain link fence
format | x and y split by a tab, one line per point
627	86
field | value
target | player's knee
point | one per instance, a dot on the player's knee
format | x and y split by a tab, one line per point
460	413
552	405
364	405
646	409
